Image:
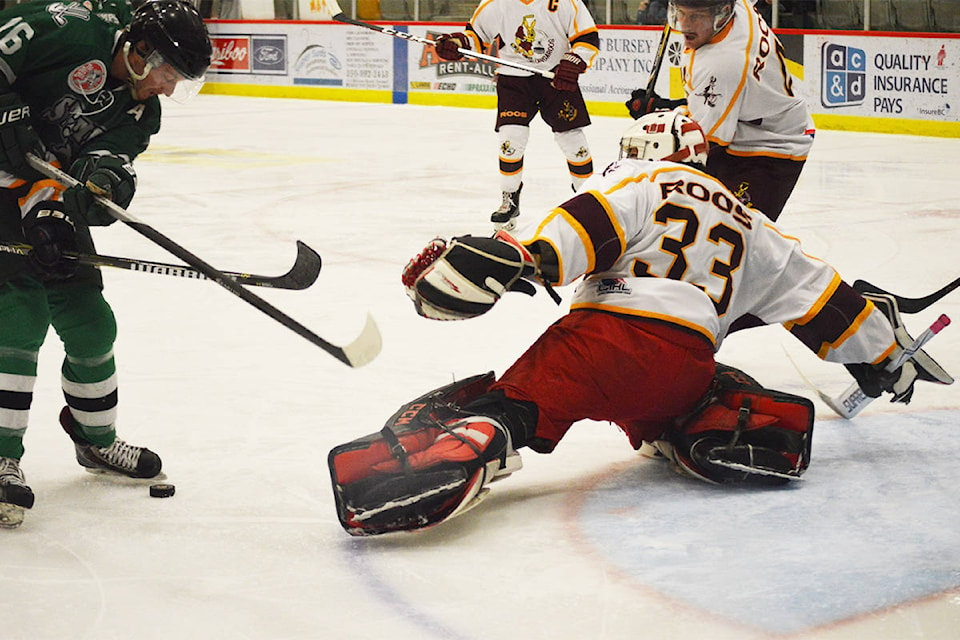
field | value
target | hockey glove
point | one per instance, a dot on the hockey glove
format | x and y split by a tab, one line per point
640	105
875	379
52	233
567	73
466	278
108	176
448	43
18	138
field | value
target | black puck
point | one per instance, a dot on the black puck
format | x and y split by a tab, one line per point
162	490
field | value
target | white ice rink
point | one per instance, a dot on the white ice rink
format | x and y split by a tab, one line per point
590	542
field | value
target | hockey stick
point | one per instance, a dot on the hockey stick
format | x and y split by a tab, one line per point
358	353
908	305
657	63
301	275
853	400
337	14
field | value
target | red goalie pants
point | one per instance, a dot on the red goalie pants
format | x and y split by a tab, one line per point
640	374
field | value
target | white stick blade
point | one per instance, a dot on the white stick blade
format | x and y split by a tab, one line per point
366	347
849	403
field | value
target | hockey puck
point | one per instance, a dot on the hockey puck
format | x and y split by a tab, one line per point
162	490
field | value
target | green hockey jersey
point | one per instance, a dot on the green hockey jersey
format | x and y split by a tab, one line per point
56	56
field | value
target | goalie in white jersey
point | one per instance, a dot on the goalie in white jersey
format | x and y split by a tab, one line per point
669	258
739	90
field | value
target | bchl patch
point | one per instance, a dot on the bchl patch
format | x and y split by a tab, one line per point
613	285
88	78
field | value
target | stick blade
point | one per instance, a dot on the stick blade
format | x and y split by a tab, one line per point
306	269
838	409
366	347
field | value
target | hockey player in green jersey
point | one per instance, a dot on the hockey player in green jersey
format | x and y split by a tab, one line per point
81	91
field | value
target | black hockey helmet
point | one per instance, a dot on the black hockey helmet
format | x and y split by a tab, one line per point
175	30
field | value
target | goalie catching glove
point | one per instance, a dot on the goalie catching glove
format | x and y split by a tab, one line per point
875	379
466	278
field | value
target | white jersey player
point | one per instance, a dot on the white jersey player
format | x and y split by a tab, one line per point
535	34
668	257
740	91
550	35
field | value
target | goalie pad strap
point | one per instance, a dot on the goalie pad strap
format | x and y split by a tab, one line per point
743	433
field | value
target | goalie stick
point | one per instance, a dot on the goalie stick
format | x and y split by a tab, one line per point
337	14
356	354
908	305
852	401
301	275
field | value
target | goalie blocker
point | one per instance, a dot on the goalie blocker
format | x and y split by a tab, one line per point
435	456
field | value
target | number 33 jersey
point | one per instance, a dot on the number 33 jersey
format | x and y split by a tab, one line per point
665	241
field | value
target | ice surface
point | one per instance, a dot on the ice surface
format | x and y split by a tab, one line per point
591	541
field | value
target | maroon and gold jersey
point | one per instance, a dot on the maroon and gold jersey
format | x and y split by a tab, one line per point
665	241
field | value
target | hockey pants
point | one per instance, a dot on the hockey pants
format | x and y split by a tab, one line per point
86	326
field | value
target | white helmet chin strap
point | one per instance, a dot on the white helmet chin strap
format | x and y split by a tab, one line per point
126	61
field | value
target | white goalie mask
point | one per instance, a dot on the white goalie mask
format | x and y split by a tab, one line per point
665	135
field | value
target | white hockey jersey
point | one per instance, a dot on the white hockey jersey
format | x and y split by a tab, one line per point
534	33
739	89
665	241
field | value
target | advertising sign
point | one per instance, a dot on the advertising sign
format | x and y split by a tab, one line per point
885	77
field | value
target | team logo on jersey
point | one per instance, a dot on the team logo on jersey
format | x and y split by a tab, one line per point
709	93
88	78
528	43
60	11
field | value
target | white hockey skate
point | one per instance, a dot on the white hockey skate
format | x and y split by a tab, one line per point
505	218
15	495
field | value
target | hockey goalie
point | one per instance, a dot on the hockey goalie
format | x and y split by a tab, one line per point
670	260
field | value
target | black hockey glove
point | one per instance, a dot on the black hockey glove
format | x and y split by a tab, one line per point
466	278
567	73
640	105
17	138
108	176
52	233
875	379
448	43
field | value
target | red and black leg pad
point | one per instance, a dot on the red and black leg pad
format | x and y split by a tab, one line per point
428	463
744	433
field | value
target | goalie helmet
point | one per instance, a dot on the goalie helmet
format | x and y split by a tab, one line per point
719	12
174	30
665	135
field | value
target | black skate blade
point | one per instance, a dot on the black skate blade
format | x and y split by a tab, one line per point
11	515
